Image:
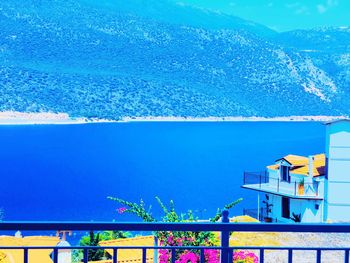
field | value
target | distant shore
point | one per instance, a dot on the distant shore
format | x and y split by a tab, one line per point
18	118
14	118
233	119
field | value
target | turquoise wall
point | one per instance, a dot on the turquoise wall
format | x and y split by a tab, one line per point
337	197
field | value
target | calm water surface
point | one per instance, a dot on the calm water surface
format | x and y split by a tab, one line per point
65	172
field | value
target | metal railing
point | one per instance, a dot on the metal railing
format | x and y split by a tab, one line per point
255	178
261	181
225	228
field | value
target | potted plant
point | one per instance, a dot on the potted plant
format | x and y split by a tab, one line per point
301	188
268	206
296	217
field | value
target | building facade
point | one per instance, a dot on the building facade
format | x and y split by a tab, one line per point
337	187
309	189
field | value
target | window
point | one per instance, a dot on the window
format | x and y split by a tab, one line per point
285	173
285	207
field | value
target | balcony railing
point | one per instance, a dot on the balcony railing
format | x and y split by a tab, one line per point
262	182
225	228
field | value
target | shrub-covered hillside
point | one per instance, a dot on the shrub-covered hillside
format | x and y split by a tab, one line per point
156	58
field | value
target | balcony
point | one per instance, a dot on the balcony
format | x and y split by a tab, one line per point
261	181
225	228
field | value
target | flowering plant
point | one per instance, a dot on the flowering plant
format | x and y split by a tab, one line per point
176	238
121	210
244	257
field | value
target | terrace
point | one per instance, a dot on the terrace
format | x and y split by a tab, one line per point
260	181
225	228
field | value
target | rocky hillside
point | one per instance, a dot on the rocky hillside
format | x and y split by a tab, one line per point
157	58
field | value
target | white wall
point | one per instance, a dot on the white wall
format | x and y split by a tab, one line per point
276	208
337	196
273	173
321	183
307	209
64	255
291	188
276	213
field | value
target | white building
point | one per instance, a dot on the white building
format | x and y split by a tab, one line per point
314	188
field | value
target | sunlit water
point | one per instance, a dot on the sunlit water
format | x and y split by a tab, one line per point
66	172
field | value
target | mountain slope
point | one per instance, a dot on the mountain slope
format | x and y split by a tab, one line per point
124	60
329	49
177	13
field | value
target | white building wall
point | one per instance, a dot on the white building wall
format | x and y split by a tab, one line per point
311	187
276	200
337	196
64	255
320	187
311	210
273	178
306	208
291	188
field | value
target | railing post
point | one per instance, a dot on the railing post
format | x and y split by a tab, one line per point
261	256
115	255
318	256
260	181
290	256
144	255
55	255
295	188
346	256
225	239
278	185
86	255
155	253
173	255
25	255
202	255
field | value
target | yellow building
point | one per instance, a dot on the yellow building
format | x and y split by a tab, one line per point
34	256
130	255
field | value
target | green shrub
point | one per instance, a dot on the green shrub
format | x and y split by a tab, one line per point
93	239
175	238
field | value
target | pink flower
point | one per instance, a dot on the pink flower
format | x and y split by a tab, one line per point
164	256
188	257
170	240
211	255
121	210
244	257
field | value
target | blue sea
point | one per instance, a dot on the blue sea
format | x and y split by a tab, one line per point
66	172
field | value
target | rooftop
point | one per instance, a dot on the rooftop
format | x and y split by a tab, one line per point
42	256
300	164
131	255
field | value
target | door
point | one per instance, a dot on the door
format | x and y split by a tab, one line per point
285	207
285	176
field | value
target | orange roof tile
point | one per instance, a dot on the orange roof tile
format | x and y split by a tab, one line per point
130	255
300	164
273	167
295	160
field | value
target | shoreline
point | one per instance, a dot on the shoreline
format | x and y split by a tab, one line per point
234	119
21	118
